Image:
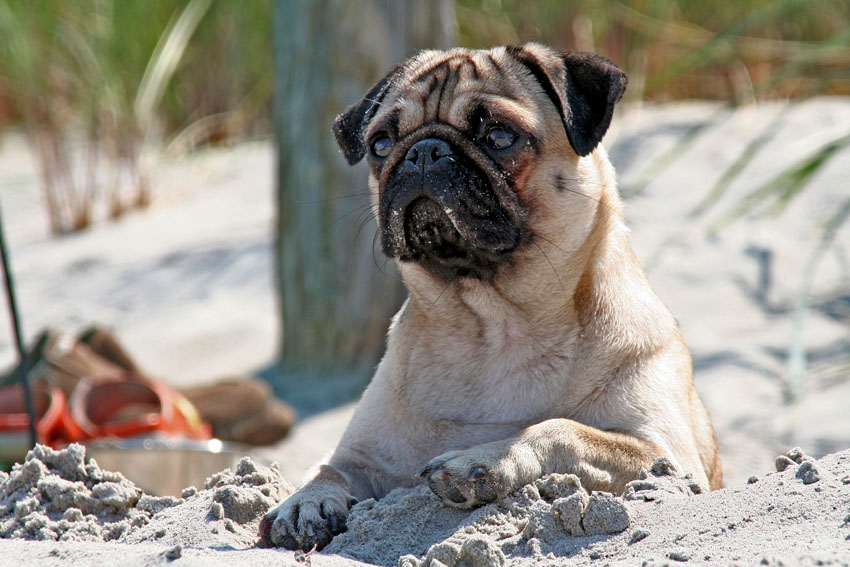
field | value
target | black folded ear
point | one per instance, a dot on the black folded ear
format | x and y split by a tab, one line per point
593	86
350	126
584	87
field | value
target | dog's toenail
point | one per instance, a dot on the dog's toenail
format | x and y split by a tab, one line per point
308	527
477	473
439	475
266	527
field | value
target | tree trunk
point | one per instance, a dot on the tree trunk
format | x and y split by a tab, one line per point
337	291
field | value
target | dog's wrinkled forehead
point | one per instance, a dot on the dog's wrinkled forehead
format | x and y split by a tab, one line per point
448	86
530	84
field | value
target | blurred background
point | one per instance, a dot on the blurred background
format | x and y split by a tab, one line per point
167	171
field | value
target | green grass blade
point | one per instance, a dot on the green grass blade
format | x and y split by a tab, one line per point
806	170
671	155
164	60
797	359
17	53
834	46
835	222
784	186
738	166
718	45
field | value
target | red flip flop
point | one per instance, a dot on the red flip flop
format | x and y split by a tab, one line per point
54	425
135	406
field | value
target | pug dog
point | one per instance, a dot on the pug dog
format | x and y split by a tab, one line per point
531	341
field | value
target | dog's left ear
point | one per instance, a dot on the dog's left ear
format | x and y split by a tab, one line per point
349	126
584	87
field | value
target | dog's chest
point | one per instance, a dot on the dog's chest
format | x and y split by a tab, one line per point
509	379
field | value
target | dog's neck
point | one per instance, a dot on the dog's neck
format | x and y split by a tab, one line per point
599	293
549	334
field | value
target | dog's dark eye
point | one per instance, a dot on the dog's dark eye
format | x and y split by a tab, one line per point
381	146
500	138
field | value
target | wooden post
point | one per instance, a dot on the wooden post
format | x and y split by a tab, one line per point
337	291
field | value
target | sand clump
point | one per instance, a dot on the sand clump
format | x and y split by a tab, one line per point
61	496
57	495
226	514
662	482
534	521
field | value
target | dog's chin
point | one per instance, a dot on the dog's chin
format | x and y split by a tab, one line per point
434	241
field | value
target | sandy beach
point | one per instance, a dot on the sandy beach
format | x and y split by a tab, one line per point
797	514
188	287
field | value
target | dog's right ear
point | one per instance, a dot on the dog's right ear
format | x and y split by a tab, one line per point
350	126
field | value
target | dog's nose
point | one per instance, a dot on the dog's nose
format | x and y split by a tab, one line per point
425	153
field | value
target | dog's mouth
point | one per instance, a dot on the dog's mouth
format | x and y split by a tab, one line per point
436	241
447	217
429	230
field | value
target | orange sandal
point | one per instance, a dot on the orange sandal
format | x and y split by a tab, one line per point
54	425
134	406
89	389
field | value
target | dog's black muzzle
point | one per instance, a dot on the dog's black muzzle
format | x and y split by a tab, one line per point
439	209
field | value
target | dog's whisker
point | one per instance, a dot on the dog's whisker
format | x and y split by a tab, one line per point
383	267
554	271
567	254
371	214
374	258
358	209
562	187
336	198
442	291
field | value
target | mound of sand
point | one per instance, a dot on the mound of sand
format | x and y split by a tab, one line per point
799	514
547	511
61	496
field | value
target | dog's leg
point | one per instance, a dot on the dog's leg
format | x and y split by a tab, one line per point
603	460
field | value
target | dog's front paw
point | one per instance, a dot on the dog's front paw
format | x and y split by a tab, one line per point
464	479
308	519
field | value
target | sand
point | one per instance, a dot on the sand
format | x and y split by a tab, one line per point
797	515
62	496
181	281
59	506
